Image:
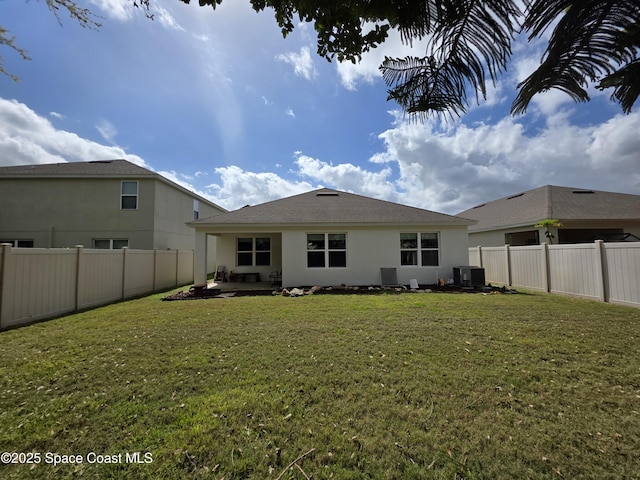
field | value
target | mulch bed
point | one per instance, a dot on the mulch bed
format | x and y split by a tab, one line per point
201	294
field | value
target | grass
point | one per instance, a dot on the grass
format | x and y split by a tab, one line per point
347	387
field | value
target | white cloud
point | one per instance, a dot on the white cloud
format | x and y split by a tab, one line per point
107	130
57	115
367	69
239	187
302	63
290	112
28	138
117	9
464	166
166	19
346	176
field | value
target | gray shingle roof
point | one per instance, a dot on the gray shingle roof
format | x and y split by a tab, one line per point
326	206
561	203
78	169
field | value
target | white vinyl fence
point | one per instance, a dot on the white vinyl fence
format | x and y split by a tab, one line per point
609	272
40	283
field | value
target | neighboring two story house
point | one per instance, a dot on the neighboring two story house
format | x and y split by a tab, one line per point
101	204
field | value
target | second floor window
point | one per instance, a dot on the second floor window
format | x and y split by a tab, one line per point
129	195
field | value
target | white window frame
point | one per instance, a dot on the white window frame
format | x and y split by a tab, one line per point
418	249
254	251
20	243
327	249
196	209
124	195
111	243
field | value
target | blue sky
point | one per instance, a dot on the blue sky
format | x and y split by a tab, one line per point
219	102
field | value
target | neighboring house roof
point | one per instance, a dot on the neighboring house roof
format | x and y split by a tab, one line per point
561	203
329	207
100	168
106	168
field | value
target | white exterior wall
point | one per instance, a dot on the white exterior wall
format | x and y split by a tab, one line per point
367	252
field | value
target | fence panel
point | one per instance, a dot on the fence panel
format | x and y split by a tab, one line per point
166	269
185	267
101	276
572	270
139	276
622	271
474	256
38	283
528	267
601	271
494	262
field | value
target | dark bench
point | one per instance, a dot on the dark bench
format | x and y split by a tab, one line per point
244	277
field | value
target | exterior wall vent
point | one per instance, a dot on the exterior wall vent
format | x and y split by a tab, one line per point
515	196
327	194
582	192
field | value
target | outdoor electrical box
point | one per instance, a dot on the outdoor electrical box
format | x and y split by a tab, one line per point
468	276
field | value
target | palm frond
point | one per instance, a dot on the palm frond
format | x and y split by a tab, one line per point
626	85
471	40
587	43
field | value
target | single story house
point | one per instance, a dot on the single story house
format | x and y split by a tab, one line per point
100	204
586	215
331	237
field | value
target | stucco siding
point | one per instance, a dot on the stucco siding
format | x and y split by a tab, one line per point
68	212
173	209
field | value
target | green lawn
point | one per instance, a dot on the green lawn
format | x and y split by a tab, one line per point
394	386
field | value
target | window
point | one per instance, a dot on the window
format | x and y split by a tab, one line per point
196	209
129	195
110	244
326	249
419	249
19	243
253	251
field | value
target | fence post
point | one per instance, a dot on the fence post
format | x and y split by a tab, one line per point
155	268
507	252
546	284
480	256
4	261
125	254
600	277
79	274
177	266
